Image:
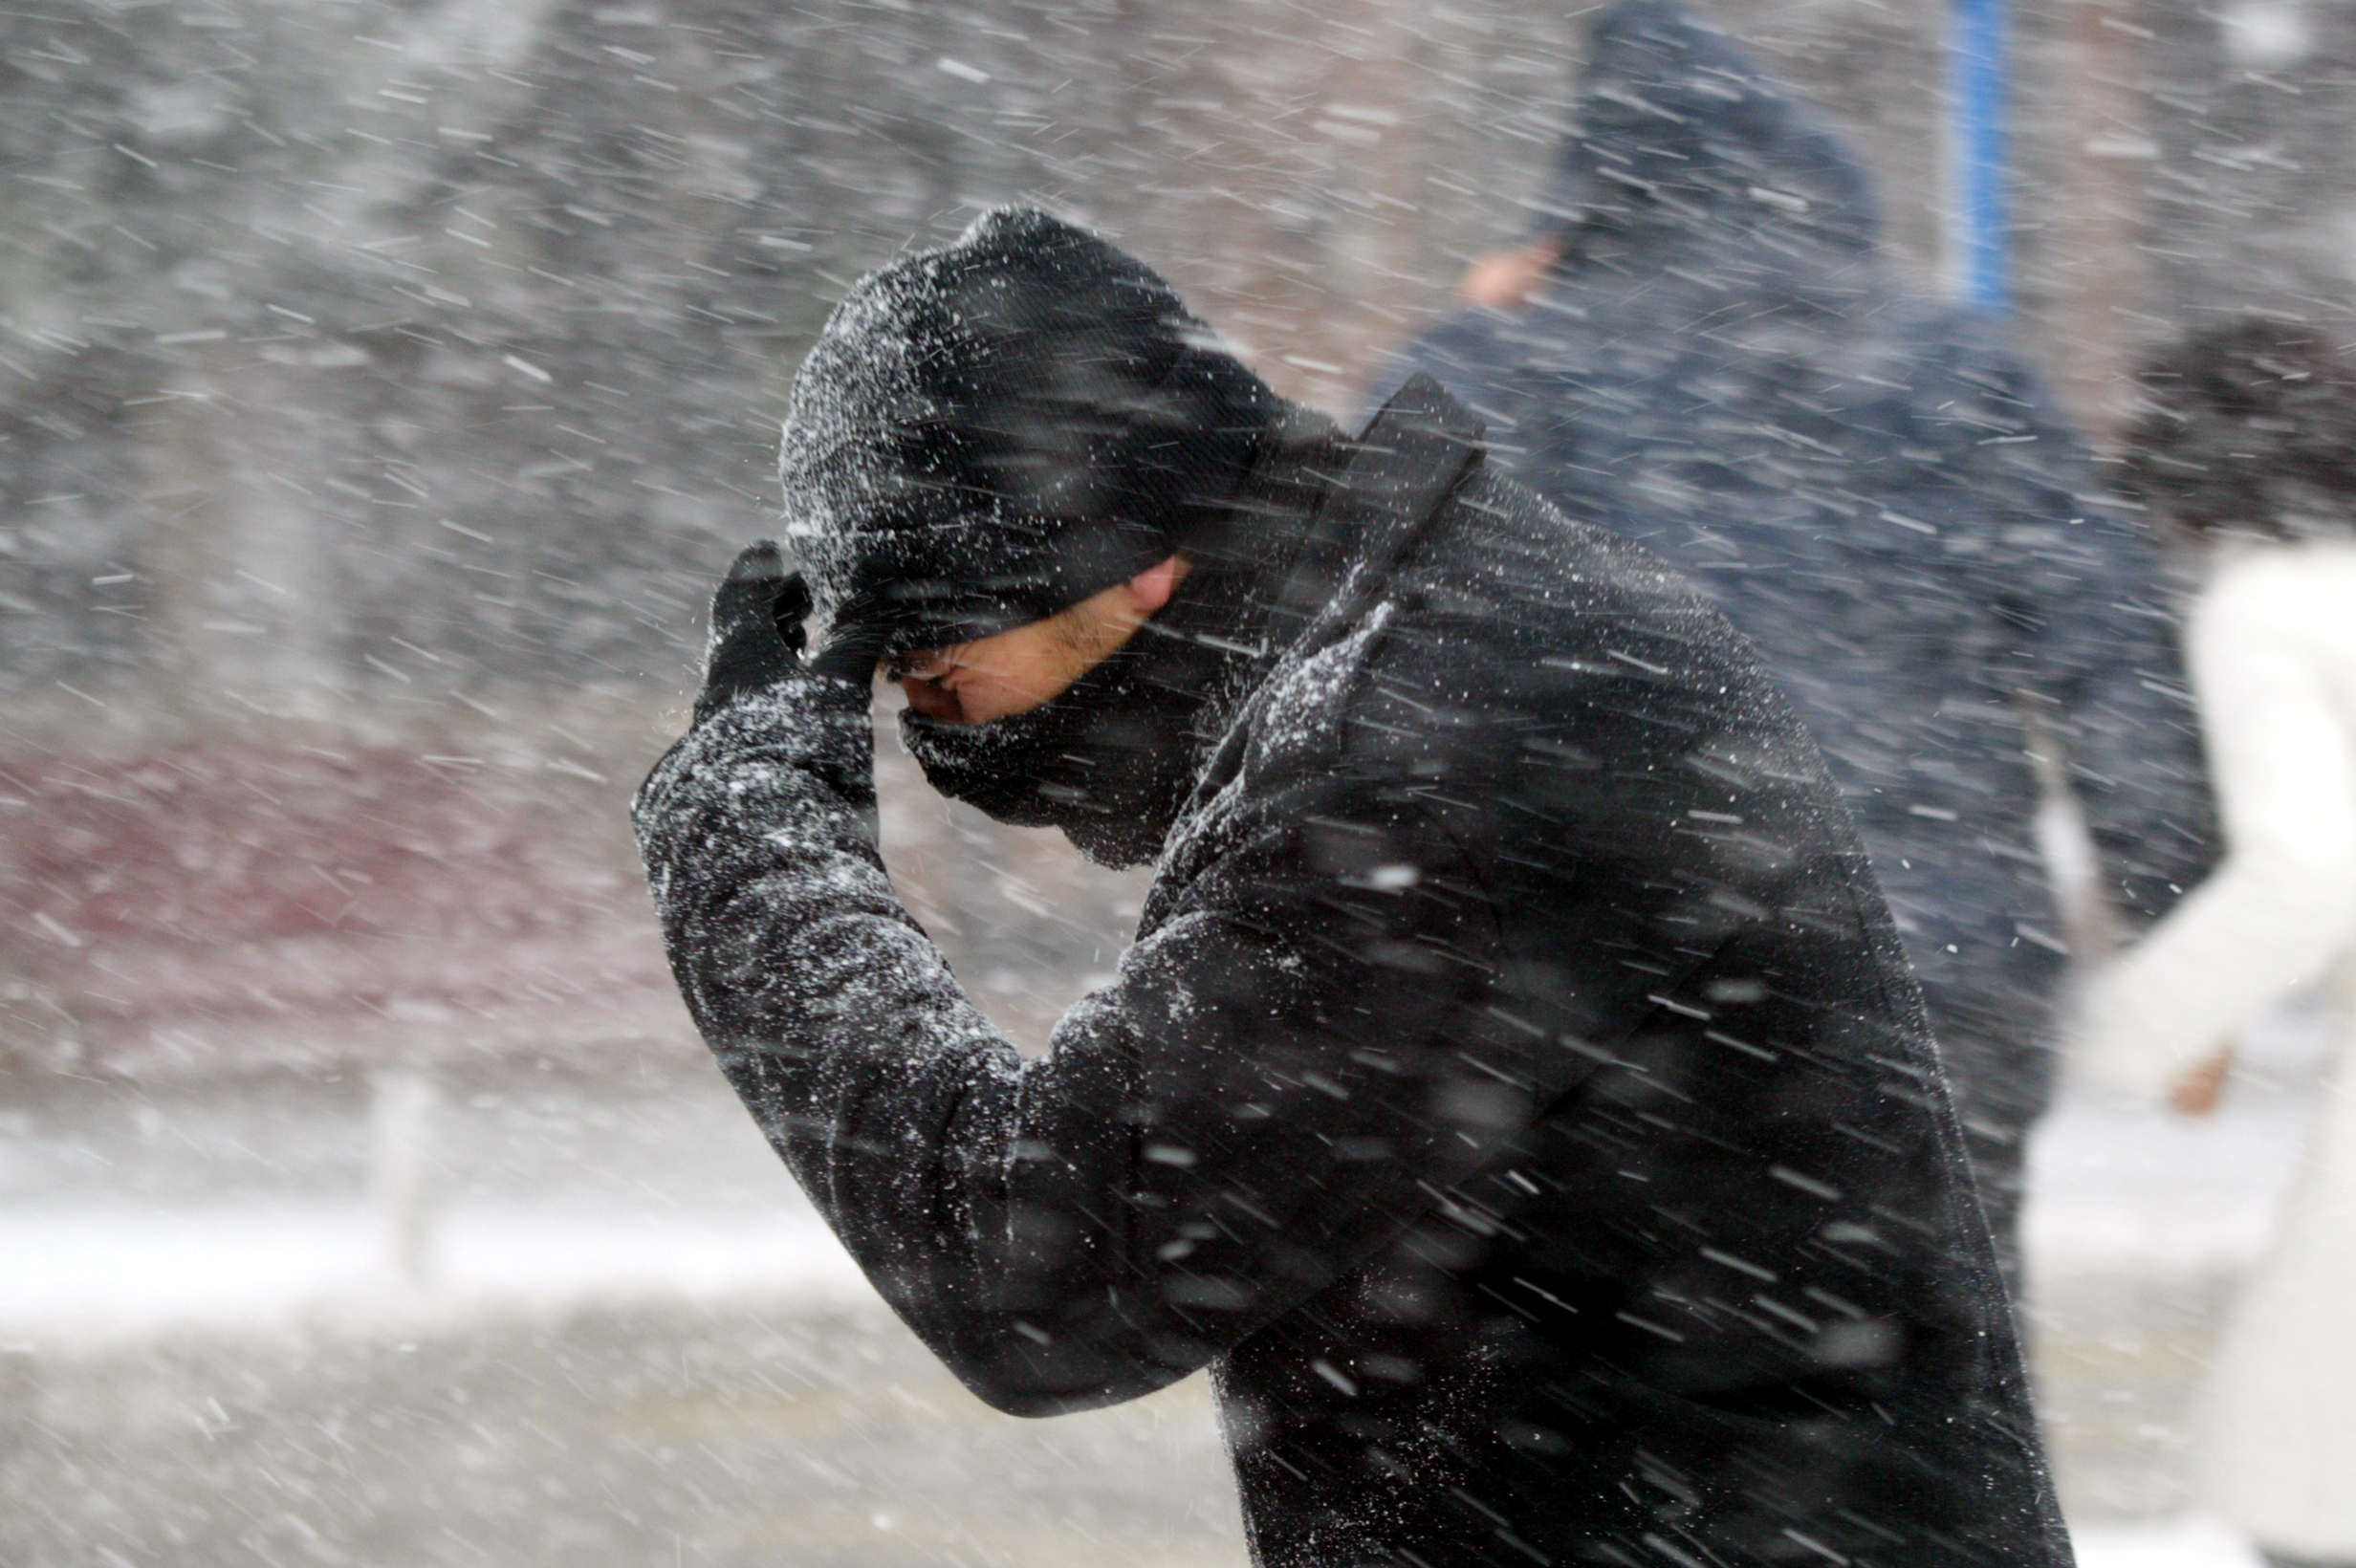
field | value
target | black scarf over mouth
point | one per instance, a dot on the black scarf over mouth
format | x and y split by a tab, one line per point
1109	761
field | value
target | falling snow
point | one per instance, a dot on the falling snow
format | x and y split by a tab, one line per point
382	389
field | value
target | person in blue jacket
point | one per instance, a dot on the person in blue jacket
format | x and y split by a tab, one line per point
1699	348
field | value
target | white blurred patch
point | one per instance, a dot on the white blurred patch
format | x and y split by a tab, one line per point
2192	1541
2265	34
176	112
2121	1185
104	1272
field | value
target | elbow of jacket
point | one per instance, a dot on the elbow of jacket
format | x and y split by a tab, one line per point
1017	1377
1014	1399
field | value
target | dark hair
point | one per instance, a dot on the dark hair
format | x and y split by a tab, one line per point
2250	428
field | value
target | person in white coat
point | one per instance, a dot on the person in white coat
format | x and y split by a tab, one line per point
2246	453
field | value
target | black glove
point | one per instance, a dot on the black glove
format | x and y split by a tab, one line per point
810	721
756	633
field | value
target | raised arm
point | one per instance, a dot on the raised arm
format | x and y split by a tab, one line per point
2284	899
1215	1137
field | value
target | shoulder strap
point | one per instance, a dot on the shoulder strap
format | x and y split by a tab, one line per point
1398	471
1396	476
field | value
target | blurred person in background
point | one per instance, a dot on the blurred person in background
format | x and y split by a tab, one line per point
1514	1094
2245	454
1700	349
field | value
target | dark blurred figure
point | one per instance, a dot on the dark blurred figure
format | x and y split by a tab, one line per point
1699	348
2245	454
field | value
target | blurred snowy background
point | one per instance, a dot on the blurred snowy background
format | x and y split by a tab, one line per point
380	386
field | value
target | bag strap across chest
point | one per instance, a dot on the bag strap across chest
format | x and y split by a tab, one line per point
1401	471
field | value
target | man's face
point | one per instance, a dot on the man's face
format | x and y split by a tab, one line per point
1019	670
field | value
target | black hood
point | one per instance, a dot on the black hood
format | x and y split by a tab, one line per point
988	433
1675	127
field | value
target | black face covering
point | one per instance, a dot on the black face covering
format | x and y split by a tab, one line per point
1109	761
1113	758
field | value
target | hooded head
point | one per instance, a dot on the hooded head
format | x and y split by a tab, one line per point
987	434
1676	126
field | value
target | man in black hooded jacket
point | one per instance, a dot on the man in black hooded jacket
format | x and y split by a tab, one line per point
1515	1094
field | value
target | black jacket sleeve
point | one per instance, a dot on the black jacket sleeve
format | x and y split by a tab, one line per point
1206	1143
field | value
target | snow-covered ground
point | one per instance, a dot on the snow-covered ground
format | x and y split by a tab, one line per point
131	1214
2192	1542
94	1272
129	1209
2121	1185
2138	1222
133	1211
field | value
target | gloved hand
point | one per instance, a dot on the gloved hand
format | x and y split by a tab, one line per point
761	697
772	785
757	639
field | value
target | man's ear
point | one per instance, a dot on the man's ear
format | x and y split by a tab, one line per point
1151	589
